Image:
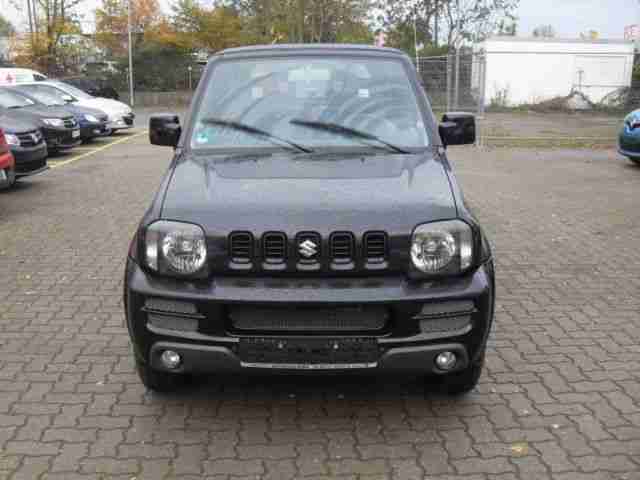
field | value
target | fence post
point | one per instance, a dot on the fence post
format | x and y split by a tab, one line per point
456	90
448	77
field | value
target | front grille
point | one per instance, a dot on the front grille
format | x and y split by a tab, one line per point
342	247
308	319
274	247
375	246
241	247
70	122
30	139
308	251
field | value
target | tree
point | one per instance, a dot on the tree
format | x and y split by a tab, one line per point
544	31
6	27
507	29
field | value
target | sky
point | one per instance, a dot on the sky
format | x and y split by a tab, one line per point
568	17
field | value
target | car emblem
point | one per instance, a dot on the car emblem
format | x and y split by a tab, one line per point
307	249
35	138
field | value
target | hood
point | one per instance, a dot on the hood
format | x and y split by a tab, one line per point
323	193
76	109
12	124
107	105
44	111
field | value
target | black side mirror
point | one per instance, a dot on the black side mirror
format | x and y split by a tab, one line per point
164	129
458	128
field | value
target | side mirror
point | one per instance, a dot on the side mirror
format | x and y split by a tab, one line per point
164	129
458	129
67	98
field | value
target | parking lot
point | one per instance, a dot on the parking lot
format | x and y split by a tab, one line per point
560	397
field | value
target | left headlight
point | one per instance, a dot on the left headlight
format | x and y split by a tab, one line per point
90	118
54	122
442	248
175	248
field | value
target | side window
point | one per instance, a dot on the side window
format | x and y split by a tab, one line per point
39	78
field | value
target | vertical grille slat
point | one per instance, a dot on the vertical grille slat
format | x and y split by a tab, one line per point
375	246
274	247
241	247
342	247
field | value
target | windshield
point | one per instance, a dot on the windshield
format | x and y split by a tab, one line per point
308	100
45	97
71	90
10	99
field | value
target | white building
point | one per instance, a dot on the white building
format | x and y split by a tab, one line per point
530	70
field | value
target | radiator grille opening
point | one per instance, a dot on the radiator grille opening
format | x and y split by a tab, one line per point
342	247
241	247
274	247
375	246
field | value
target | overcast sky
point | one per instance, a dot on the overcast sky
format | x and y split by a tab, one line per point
568	17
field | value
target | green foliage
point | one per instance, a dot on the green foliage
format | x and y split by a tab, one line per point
6	27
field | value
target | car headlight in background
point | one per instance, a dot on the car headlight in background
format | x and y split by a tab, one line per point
175	248
54	122
442	247
12	139
91	118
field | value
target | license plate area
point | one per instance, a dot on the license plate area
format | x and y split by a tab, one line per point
308	353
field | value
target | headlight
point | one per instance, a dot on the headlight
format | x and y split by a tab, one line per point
175	248
91	118
12	139
442	247
54	122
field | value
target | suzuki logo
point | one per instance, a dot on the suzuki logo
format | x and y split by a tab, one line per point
308	249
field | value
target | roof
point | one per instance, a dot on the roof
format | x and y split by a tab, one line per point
603	41
310	47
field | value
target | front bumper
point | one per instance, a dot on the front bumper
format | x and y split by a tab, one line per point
93	130
121	123
30	160
403	346
62	139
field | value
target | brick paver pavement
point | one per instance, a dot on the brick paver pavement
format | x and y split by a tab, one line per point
560	397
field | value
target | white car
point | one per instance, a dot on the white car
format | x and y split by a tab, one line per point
11	76
120	114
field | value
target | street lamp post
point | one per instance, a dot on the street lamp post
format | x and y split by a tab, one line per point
131	100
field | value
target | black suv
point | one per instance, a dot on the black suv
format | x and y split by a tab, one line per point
310	222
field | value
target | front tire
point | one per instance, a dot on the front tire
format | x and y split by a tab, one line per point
158	381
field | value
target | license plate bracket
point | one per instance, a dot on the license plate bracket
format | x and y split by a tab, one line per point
308	353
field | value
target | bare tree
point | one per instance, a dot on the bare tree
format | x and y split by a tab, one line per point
544	31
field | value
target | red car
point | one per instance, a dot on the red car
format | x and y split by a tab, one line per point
7	164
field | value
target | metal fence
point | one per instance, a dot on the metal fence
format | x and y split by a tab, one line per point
454	82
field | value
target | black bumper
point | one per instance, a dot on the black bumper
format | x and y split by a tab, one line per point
61	139
402	347
93	130
30	160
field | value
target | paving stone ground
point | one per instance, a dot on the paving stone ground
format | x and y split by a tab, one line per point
560	397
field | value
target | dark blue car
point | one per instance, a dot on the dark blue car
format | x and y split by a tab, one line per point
629	138
92	122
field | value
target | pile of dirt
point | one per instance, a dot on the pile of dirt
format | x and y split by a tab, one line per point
575	101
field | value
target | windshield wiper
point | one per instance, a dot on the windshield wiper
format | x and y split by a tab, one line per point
347	131
255	130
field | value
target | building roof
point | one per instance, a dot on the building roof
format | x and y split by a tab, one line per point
603	41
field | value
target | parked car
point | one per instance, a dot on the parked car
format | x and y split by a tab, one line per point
11	76
59	127
92	86
629	138
92	122
7	164
310	221
26	143
120	114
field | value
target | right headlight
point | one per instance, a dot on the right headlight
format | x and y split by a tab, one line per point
175	248
12	139
442	248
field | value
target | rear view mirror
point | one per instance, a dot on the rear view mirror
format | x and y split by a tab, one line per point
458	128
164	129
